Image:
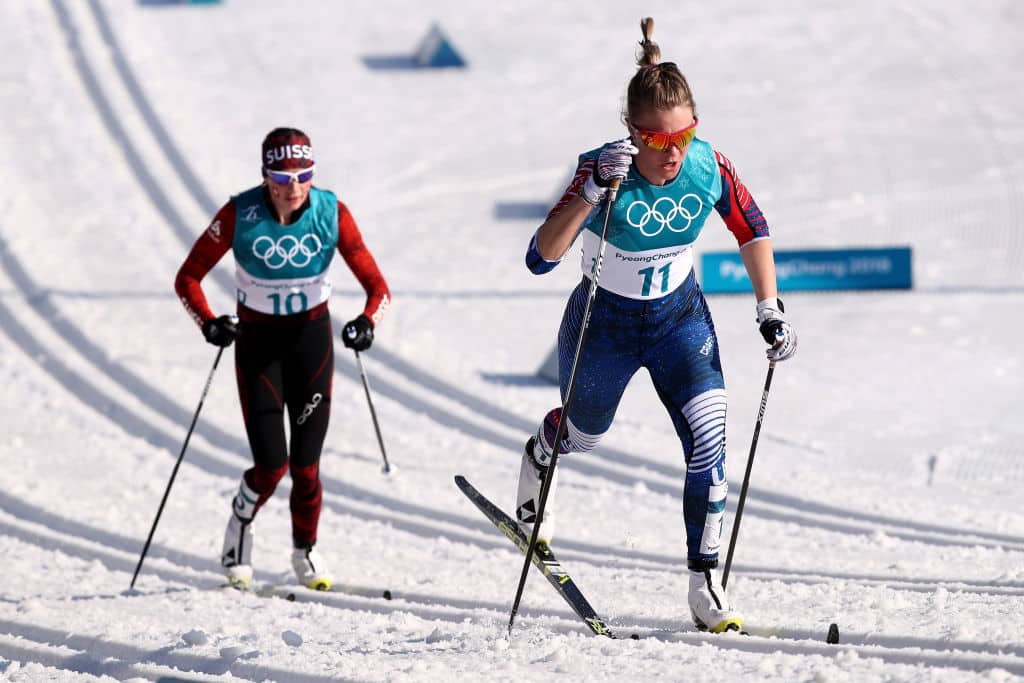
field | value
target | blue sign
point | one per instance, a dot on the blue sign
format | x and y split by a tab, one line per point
825	269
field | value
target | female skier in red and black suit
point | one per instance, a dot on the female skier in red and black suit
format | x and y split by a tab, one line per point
283	234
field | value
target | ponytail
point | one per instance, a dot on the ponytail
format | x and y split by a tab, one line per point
650	52
656	85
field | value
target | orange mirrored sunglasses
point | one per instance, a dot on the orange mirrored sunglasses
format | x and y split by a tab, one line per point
660	141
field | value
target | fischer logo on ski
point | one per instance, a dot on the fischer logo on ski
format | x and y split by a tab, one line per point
543	559
548	564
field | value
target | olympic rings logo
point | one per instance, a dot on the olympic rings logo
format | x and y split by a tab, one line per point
287	250
666	212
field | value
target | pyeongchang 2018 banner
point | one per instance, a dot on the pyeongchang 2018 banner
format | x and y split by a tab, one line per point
824	269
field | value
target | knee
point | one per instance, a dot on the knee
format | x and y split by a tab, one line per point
306	479
262	479
705	415
574	439
548	430
707	406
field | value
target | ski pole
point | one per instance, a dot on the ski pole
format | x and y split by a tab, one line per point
373	414
174	472
746	477
613	190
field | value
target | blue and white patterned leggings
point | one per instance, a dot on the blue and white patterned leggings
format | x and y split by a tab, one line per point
674	338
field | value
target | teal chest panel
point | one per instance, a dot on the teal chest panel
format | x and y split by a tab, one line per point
268	250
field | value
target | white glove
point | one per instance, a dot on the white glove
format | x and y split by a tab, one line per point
776	331
612	162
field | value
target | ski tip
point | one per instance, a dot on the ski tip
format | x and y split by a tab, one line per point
387	594
833	634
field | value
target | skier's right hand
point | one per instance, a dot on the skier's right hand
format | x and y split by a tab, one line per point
221	331
613	161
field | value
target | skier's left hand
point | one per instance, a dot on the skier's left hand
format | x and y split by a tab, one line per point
221	331
358	333
777	332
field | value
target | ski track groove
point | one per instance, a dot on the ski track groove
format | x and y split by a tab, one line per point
98	657
867	644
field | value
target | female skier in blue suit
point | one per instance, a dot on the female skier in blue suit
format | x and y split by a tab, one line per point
649	310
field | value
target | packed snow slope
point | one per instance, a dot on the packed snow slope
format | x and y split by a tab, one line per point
885	490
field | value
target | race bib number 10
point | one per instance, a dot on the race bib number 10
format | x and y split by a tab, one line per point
277	298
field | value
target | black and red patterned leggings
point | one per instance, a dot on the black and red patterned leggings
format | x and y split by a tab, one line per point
287	361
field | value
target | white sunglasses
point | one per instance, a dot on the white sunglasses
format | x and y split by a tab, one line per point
286	177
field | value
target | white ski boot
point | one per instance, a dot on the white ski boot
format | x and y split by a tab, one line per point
236	558
310	569
531	477
709	604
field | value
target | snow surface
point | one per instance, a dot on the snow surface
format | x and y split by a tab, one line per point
885	492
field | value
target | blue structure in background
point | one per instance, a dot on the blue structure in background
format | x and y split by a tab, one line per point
435	51
521	211
825	269
513	210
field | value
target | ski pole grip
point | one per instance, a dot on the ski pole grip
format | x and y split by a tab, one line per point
613	189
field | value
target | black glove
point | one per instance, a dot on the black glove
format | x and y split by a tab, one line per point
358	333
221	331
